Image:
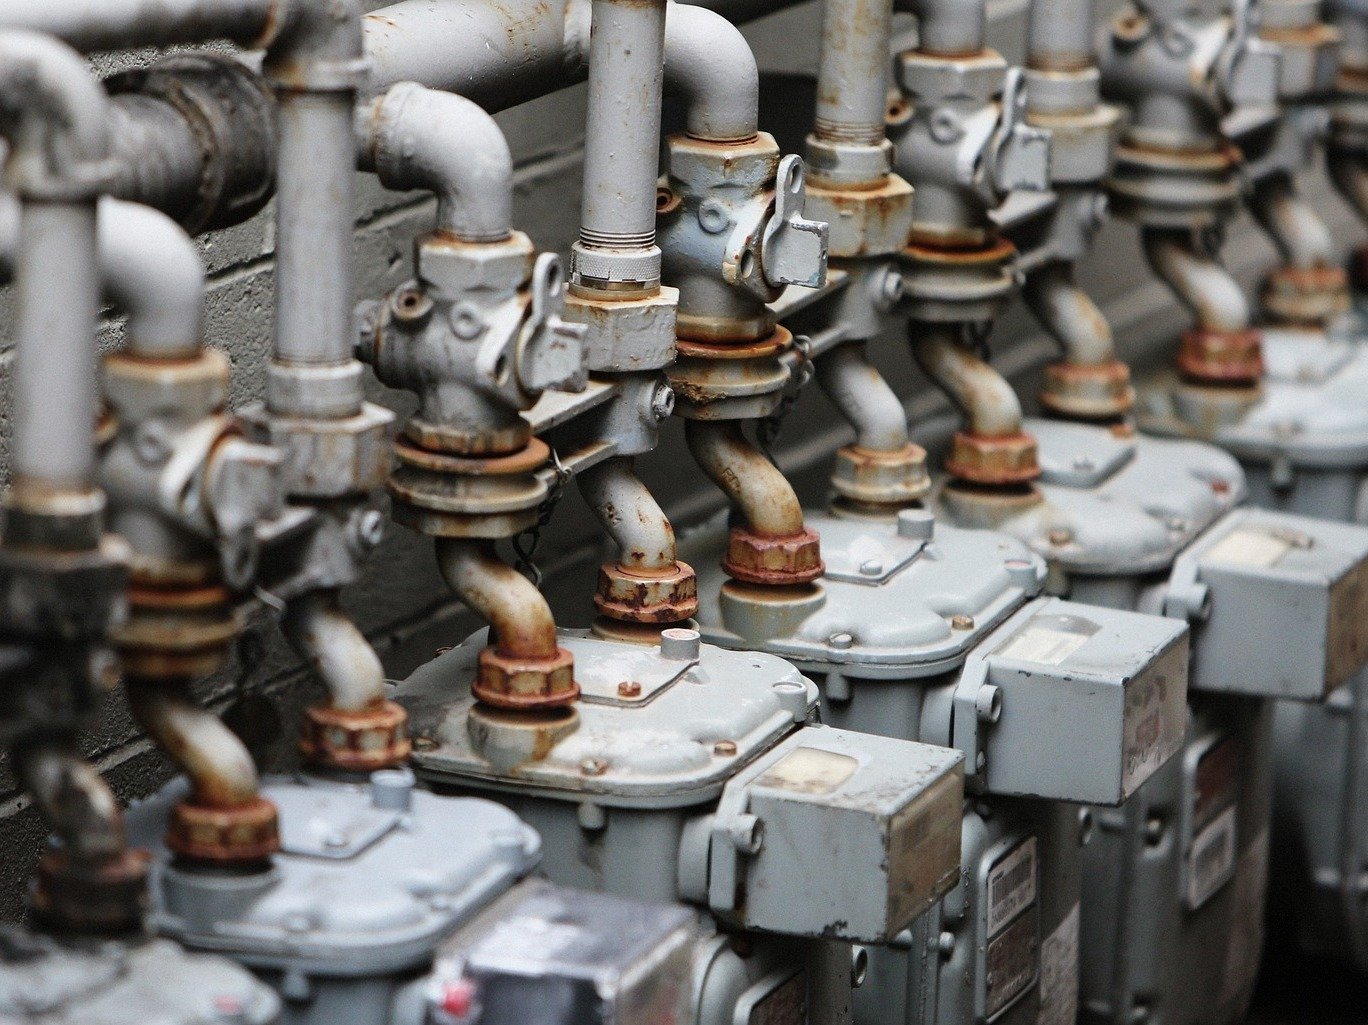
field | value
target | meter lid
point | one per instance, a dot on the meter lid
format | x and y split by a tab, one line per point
113	982
919	619
674	744
364	884
1138	513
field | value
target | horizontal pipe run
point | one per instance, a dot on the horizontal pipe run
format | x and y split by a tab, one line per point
760	492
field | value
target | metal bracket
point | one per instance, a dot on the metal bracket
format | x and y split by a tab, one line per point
794	249
551	353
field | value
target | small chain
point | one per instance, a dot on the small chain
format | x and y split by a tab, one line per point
767	431
525	542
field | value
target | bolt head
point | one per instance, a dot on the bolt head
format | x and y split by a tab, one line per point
593	766
841	641
724	748
629	689
1060	536
961	622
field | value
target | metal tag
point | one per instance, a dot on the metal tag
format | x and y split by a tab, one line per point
1048	640
871	557
1011	964
645	671
1210	859
1011	885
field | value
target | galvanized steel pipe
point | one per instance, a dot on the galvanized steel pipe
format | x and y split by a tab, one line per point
864	398
413	137
1302	237
91	25
1069	314
990	405
852	76
73	799
321	633
709	63
153	271
1059	35
952	28
1198	279
761	494
516	611
630	514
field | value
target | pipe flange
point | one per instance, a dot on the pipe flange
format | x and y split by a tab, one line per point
248	834
106	898
871	477
507	738
1306	295
508	681
647	596
444	495
1230	358
973	506
355	741
176	632
730	382
65	595
993	461
625	335
1173	188
954	284
1088	391
773	561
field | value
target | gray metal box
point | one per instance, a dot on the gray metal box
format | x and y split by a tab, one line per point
548	955
1279	603
1121	677
870	825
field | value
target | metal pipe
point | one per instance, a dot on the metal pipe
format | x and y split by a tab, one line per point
1302	237
1197	279
74	800
949	27
861	395
852	76
990	405
761	494
320	632
1069	314
218	765
414	137
1059	35
710	65
1348	170
630	514
622	142
516	611
91	25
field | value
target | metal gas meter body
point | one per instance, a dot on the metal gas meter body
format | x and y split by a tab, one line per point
694	773
1303	445
1174	879
369	880
933	633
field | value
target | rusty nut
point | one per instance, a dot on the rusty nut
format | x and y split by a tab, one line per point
752	559
634	596
1088	392
696	166
1221	357
506	681
68	595
328	458
450	267
106	898
863	222
224	836
881	478
993	461
626	335
138	389
1302	295
355	741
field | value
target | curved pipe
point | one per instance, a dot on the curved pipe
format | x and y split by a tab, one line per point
861	395
761	494
118	24
320	632
220	770
1302	238
1069	315
630	514
1197	279
414	137
516	611
1349	173
73	799
989	403
152	271
709	63
949	27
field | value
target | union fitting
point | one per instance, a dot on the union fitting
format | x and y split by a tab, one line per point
525	683
443	495
105	898
871	478
1089	392
245	835
714	381
646	596
773	561
993	462
355	741
870	220
957	284
1306	295
176	630
1223	358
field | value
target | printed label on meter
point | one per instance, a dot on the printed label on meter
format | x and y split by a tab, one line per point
785	1004
1048	640
1011	885
1212	851
1155	720
1012	957
1251	546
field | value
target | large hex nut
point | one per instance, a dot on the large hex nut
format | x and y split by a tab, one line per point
699	167
507	681
774	561
247	834
327	458
450	267
667	596
626	335
931	78
1306	295
1230	358
978	459
355	741
1087	391
139	389
105	898
863	222
869	477
1082	146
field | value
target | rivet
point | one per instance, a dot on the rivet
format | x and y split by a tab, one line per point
962	622
841	641
593	766
871	568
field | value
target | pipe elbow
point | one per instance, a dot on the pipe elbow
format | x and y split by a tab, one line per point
414	137
762	495
154	273
1198	280
516	611
948	26
631	515
989	403
862	395
709	63
1302	237
1069	315
56	116
320	632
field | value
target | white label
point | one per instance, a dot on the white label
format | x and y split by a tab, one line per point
1247	929
1011	886
808	770
1059	973
1250	546
1148	735
1044	645
1211	859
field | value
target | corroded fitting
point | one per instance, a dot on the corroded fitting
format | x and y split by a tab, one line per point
1173	188
872	220
1306	295
953	284
176	631
107	897
647	595
514	682
773	561
444	495
874	478
716	381
979	459
1233	358
241	835
355	741
1084	391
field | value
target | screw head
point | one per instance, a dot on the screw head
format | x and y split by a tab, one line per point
724	748
962	622
871	568
593	766
1060	536
629	689
841	641
424	744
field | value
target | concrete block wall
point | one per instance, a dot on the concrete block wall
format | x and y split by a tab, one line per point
402	604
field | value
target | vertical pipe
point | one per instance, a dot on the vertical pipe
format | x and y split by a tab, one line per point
852	77
1059	35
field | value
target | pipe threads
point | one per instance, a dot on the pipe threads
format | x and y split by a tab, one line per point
856	133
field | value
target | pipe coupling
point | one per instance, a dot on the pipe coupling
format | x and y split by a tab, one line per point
244	835
524	683
176	630
105	898
1228	358
874	478
1306	295
773	561
647	596
443	495
993	462
355	741
717	381
1088	392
